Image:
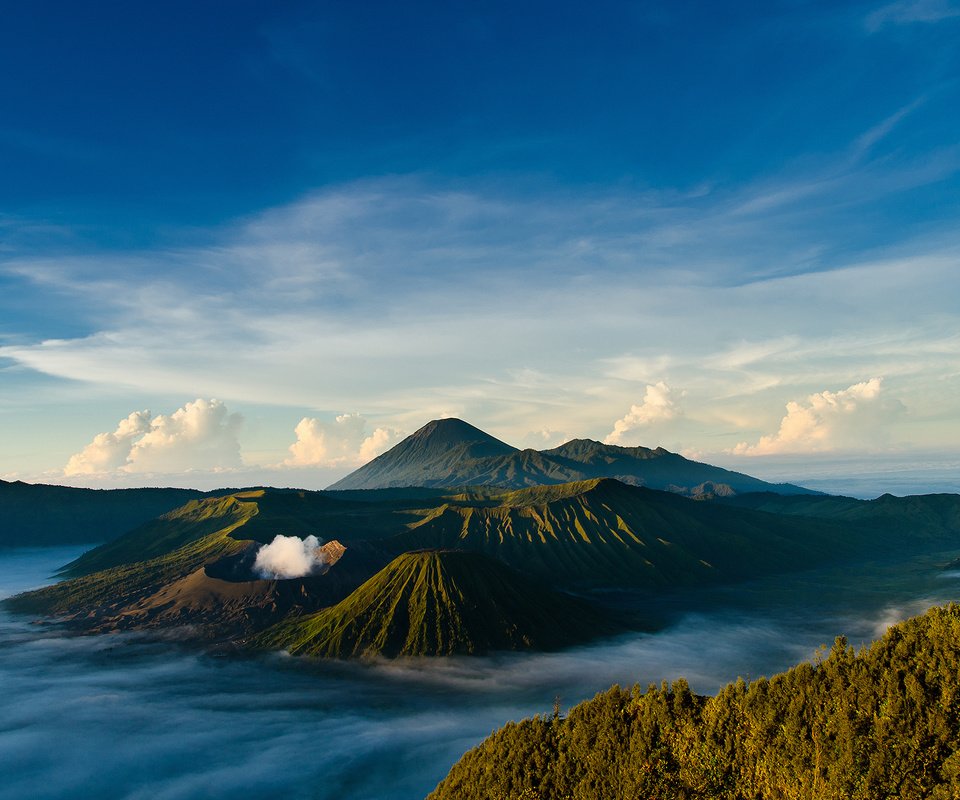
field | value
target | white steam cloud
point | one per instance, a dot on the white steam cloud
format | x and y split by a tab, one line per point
289	557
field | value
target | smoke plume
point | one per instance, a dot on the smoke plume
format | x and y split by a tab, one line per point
289	557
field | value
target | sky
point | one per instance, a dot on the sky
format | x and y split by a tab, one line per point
247	243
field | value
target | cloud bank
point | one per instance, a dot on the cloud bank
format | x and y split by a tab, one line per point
202	435
825	421
344	442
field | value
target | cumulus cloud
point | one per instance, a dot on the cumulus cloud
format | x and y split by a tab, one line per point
289	557
344	442
825	421
110	451
201	435
659	405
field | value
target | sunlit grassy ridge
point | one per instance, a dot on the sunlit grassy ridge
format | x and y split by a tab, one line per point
884	723
115	588
196	520
603	532
440	603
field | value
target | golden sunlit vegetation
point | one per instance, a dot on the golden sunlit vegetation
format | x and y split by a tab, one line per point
882	723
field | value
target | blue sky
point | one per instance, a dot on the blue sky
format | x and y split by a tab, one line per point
244	244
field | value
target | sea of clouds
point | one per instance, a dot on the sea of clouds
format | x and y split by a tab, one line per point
120	717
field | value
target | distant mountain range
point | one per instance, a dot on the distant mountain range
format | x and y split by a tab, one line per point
459	543
443	454
451	452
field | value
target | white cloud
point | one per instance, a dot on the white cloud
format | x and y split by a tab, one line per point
201	435
110	451
343	442
659	405
826	421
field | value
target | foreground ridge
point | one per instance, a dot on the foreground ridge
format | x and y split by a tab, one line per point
881	723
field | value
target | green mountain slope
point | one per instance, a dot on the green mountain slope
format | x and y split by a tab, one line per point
450	453
37	515
259	515
195	520
120	578
879	724
439	603
604	533
592	534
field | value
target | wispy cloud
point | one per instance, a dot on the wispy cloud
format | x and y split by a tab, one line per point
913	11
407	300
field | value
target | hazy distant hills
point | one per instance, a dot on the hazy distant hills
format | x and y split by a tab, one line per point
912	518
36	515
451	452
440	603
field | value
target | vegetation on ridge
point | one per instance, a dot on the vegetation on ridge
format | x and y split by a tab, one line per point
884	723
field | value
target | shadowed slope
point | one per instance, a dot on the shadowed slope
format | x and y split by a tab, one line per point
897	519
34	515
440	603
439	448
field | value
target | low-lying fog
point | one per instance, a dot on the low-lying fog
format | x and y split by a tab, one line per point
118	717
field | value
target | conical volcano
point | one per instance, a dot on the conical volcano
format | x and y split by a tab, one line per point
428	457
440	603
452	453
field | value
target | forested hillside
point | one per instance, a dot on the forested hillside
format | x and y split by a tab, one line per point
884	723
